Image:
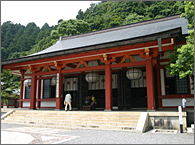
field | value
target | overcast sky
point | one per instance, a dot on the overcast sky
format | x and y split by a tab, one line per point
41	12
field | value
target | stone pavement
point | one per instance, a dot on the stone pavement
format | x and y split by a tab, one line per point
20	134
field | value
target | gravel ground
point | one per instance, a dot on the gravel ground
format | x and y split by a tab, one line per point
116	137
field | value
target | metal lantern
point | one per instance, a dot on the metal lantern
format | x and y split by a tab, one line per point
134	74
27	83
92	77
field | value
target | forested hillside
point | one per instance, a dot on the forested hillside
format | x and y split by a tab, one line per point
18	40
112	14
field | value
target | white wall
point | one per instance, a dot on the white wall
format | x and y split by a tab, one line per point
71	84
48	104
26	104
177	102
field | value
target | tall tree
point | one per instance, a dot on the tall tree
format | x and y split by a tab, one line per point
182	58
8	86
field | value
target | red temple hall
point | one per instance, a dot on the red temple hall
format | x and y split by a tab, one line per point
123	67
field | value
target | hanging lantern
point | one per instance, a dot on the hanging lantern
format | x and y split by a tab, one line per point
54	80
134	74
27	83
92	77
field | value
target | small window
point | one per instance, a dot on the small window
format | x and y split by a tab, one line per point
27	92
49	90
174	85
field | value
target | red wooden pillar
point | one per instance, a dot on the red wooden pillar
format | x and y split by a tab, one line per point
33	91
108	87
21	88
150	84
159	84
39	93
61	90
21	93
60	93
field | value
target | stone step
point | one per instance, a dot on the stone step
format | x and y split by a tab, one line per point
82	112
192	126
73	126
70	128
190	130
71	122
76	117
71	119
79	113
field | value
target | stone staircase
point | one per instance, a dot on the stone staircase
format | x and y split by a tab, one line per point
190	129
114	120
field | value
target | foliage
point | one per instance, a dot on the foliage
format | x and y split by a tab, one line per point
16	39
8	86
108	14
182	58
133	18
72	27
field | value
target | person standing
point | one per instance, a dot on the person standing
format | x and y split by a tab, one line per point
93	102
68	101
184	102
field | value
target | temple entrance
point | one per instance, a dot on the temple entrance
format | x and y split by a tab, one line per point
74	99
139	97
99	96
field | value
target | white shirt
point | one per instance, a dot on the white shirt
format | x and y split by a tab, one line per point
67	98
183	102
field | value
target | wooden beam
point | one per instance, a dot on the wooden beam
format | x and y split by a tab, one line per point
71	65
128	64
84	69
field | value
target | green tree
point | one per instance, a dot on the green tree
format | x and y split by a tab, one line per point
8	86
59	21
72	27
182	58
80	15
133	18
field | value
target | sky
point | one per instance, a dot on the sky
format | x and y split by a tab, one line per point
41	12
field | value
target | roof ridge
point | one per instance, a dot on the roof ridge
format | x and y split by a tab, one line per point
122	27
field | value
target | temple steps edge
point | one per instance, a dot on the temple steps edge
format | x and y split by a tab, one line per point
76	119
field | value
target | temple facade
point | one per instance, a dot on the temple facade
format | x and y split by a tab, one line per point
123	67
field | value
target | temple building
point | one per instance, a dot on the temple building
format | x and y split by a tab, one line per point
123	67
